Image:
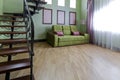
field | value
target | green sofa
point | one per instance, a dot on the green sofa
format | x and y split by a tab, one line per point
67	38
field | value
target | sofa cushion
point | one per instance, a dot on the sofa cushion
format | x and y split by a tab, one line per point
73	28
59	33
64	43
71	38
66	30
56	28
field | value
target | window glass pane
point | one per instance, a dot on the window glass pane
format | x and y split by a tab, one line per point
48	1
72	3
61	2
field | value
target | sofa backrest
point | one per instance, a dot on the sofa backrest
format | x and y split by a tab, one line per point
57	28
73	28
66	30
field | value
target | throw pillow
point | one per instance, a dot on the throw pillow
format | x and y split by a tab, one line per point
59	33
76	33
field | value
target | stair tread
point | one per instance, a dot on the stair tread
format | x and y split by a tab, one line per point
40	2
33	6
10	51
14	65
14	14
9	41
29	3
15	32
34	1
24	78
11	16
39	8
11	21
43	2
10	26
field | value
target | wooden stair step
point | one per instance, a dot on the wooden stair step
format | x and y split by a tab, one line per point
33	1
14	65
30	3
39	8
31	9
42	2
9	32
24	78
11	16
11	21
10	51
32	6
12	41
36	1
10	26
14	14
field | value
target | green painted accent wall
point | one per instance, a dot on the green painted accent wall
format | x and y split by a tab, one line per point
83	15
41	29
1	7
12	6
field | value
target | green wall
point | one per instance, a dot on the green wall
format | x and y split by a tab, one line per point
1	6
83	15
41	29
13	6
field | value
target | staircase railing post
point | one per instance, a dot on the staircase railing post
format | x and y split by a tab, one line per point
7	77
30	25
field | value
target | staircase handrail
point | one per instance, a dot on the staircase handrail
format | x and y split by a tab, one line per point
30	27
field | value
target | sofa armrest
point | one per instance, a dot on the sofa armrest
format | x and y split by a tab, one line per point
52	38
86	35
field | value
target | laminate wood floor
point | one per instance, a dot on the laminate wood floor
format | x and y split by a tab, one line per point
78	62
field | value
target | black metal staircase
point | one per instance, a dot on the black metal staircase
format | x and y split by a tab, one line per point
9	24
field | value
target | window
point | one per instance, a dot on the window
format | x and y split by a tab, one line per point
61	2
48	1
72	3
72	18
107	18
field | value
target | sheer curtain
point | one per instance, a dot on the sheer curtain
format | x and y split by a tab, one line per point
106	23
